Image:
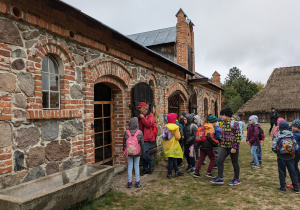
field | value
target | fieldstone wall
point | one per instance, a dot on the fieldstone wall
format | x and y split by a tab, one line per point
35	142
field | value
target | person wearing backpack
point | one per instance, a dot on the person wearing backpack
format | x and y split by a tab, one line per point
172	150
189	135
230	143
133	147
284	144
296	134
206	147
218	134
146	125
196	144
253	139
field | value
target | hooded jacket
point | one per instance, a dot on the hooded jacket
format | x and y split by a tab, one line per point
172	147
189	130
146	125
197	117
276	141
210	142
133	128
252	135
276	129
273	117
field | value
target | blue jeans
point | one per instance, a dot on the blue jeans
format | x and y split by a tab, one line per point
259	153
254	154
289	164
147	161
133	160
172	163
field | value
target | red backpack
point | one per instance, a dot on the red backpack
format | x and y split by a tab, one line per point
155	130
200	135
132	144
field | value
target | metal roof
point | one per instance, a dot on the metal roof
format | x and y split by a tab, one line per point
156	37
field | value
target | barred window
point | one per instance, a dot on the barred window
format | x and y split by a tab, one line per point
51	84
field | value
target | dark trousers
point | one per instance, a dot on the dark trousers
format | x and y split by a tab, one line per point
289	164
211	155
197	147
189	155
147	161
172	163
272	124
296	161
234	159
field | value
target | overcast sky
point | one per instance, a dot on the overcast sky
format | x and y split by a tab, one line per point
254	35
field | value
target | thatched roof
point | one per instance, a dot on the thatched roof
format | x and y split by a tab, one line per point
282	91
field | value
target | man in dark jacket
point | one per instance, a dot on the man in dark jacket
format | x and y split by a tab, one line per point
146	124
273	119
189	136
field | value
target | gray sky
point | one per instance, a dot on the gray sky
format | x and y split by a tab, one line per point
254	35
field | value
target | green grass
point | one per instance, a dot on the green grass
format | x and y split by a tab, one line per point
257	191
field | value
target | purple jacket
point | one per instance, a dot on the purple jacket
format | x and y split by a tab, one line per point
252	135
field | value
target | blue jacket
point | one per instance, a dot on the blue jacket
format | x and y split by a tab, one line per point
297	138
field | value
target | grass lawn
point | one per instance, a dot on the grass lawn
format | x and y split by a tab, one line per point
257	190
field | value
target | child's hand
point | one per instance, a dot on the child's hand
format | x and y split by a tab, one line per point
233	150
248	143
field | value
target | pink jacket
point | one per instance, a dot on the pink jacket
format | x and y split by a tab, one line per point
275	131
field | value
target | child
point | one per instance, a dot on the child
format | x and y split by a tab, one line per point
230	142
196	144
206	148
189	135
296	134
276	129
134	160
218	134
285	159
253	139
172	149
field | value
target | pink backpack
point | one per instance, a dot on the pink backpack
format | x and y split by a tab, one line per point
132	144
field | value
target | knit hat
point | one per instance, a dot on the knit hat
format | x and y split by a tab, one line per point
253	118
212	119
283	125
172	117
296	123
227	112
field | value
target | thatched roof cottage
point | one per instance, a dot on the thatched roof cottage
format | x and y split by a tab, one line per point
281	92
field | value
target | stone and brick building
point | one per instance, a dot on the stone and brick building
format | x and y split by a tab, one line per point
69	84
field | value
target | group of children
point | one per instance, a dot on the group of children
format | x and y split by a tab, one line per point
182	137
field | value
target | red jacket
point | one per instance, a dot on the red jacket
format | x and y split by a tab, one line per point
146	124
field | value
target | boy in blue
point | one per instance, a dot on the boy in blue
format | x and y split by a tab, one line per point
285	159
296	133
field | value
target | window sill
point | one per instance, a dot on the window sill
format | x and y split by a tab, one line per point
53	114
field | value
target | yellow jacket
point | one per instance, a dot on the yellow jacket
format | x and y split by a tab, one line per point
172	147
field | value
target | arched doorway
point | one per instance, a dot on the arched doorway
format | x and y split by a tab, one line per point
103	124
216	109
141	92
174	103
193	104
205	109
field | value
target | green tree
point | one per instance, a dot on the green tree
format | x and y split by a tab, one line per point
237	89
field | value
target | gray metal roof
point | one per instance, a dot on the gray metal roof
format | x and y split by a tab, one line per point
156	37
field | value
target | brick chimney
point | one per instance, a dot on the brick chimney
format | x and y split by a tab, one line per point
216	78
185	41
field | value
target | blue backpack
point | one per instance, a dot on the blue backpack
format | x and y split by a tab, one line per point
167	134
241	125
286	146
218	133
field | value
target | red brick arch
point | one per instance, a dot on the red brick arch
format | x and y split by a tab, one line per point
152	77
178	86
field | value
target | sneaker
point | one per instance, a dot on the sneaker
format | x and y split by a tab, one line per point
169	176
269	133
252	163
281	189
138	184
188	168
165	169
151	169
296	191
179	173
191	171
217	181
290	186
254	166
129	184
215	167
204	162
210	175
196	175
260	162
235	182
180	165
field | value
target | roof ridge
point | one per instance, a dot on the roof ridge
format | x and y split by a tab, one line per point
151	31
